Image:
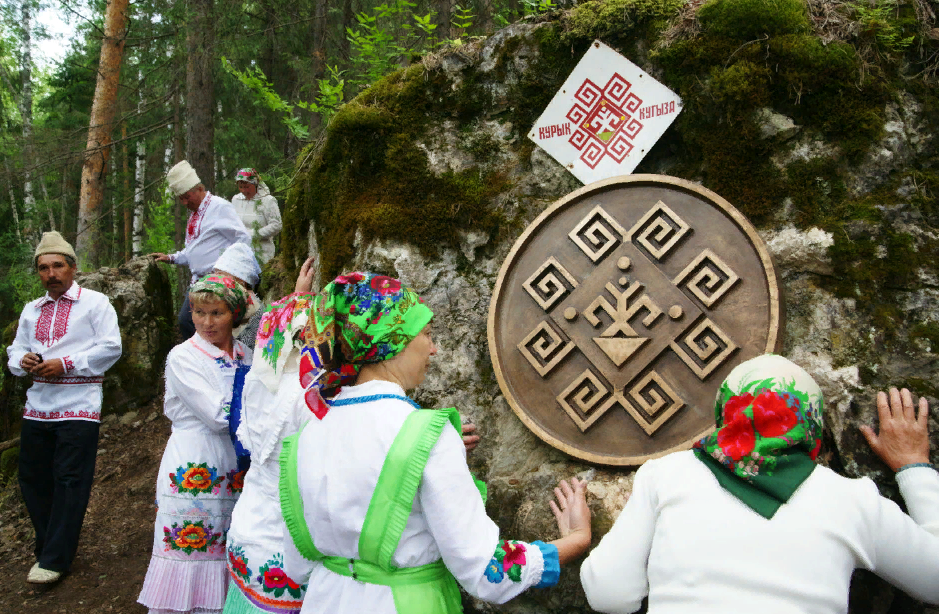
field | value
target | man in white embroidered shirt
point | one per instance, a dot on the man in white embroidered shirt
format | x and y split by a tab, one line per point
66	340
213	225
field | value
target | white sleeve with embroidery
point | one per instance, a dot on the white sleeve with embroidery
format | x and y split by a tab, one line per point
186	380
19	347
107	346
614	576
486	567
273	223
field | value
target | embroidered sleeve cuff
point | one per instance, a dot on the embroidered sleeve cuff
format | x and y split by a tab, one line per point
67	364
552	565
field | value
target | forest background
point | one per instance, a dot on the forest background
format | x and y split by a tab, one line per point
225	84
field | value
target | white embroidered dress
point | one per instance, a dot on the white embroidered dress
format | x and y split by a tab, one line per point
255	540
210	229
80	329
198	482
261	217
338	464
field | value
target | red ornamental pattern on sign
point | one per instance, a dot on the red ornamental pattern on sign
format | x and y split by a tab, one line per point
605	120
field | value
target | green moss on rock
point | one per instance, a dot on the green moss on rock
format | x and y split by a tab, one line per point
746	20
372	176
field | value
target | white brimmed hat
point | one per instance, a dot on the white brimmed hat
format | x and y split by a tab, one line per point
182	178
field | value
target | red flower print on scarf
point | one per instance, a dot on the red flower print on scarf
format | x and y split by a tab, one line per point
818	446
351	278
772	417
736	404
736	439
514	555
385	285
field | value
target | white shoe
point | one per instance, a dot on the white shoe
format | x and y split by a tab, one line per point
38	575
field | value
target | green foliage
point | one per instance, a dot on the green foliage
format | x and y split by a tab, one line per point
160	228
879	23
533	7
617	18
746	20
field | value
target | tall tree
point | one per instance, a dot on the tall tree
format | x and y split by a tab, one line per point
26	101
98	149
200	92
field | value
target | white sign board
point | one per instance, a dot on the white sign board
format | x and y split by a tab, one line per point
606	117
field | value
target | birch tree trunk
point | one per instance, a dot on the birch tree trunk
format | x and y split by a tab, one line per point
200	92
26	108
99	130
128	212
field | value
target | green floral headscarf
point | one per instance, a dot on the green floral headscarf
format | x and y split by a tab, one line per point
358	319
769	431
227	289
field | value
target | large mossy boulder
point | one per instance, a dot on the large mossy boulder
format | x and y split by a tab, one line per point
816	124
142	297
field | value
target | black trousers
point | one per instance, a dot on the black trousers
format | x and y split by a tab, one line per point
57	466
184	320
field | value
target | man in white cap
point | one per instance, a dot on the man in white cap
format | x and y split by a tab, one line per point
213	225
66	340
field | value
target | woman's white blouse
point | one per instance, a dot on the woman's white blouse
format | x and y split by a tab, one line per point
339	461
691	546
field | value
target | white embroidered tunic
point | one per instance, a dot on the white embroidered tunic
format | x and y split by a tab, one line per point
255	540
198	482
691	546
339	461
80	329
261	217
210	229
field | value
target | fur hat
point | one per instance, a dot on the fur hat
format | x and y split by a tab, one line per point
182	178
238	260
54	243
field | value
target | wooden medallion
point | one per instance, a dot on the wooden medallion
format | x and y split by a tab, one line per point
620	310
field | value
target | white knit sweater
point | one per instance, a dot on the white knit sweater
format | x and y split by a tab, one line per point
691	546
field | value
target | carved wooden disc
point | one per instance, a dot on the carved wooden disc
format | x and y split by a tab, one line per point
621	309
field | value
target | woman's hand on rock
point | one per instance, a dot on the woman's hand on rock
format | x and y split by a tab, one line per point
573	518
469	439
305	280
904	435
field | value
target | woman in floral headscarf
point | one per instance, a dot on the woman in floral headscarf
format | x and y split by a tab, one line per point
201	472
381	512
259	212
748	522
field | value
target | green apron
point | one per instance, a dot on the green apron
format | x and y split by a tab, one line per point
428	589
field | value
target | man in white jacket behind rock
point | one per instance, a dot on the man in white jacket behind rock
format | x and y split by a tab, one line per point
65	341
213	225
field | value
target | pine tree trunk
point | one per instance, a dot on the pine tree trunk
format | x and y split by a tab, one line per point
348	20
200	92
319	53
99	131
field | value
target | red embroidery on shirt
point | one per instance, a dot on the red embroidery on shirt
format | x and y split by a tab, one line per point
61	319
69	365
194	226
44	323
62	415
72	379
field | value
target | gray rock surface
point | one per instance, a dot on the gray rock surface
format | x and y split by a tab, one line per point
140	293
